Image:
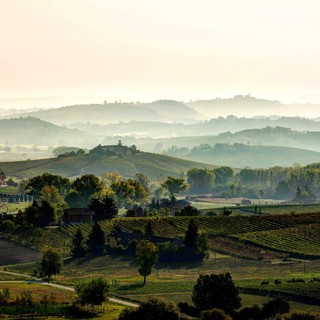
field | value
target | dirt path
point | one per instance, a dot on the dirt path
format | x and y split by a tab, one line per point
59	286
16	274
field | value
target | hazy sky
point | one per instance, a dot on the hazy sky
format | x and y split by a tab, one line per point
146	50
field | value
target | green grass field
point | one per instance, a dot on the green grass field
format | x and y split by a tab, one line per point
60	297
13	207
38	291
275	209
175	282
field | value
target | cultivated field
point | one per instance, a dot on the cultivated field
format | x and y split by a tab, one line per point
258	237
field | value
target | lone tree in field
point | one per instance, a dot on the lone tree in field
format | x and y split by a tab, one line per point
78	249
96	239
93	292
216	291
51	263
146	255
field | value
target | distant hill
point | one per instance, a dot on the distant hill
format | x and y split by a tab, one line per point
155	129
33	131
66	111
138	129
250	106
242	104
268	136
242	155
162	110
152	165
234	124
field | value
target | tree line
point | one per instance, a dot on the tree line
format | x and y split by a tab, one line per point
53	194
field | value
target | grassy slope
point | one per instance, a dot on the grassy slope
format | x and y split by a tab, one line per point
37	132
258	157
153	165
281	137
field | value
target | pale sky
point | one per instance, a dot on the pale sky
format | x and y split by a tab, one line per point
146	50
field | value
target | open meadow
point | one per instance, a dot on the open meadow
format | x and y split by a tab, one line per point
174	282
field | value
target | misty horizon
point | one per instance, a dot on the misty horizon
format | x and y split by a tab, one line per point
137	50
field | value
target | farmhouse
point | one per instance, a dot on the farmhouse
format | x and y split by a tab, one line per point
174	206
119	149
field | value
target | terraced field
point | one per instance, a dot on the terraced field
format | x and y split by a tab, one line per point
303	239
243	236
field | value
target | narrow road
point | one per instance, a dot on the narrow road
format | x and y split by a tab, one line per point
59	286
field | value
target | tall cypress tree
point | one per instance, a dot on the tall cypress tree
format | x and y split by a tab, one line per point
96	240
149	229
78	249
191	235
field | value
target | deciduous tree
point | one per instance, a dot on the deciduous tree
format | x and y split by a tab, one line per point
93	292
143	180
141	193
35	185
54	198
151	310
83	188
109	178
216	291
174	185
200	180
223	175
124	192
51	263
146	255
273	307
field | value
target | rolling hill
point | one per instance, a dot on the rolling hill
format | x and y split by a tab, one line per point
152	165
242	155
267	136
162	110
33	131
250	106
156	129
